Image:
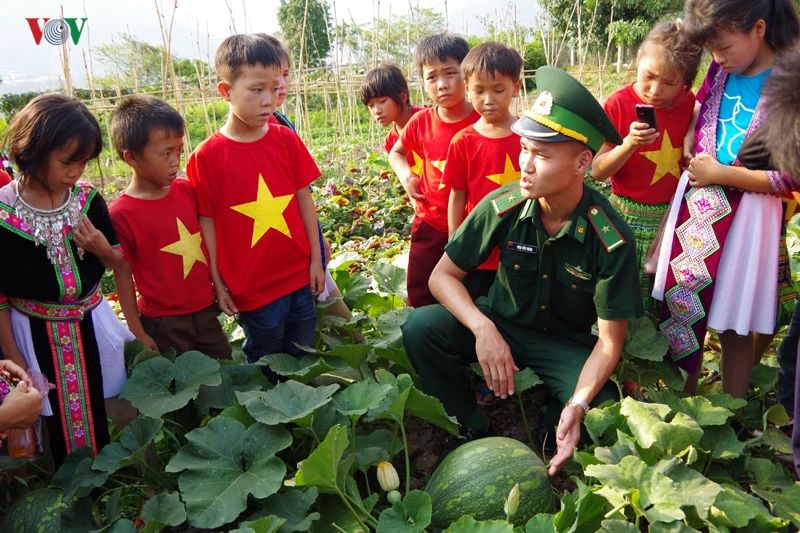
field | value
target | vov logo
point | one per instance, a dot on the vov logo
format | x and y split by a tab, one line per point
56	31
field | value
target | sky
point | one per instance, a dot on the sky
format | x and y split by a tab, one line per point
26	66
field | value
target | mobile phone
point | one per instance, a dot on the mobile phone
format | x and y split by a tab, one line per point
647	113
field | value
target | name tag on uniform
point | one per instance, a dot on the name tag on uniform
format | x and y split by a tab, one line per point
520	247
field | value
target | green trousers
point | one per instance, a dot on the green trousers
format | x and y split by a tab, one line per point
439	346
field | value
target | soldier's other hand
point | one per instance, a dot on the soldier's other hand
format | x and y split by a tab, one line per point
495	359
568	434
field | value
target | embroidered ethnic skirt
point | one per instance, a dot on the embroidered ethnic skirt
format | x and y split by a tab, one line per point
643	220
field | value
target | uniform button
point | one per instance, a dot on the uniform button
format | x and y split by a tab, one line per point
545	276
516	267
544	308
547	243
574	287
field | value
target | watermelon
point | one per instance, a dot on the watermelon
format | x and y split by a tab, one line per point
475	479
36	512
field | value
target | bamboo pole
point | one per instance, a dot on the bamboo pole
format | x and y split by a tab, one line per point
65	62
199	68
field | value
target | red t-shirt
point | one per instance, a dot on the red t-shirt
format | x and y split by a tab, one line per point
162	241
480	165
5	179
250	190
391	139
430	136
651	174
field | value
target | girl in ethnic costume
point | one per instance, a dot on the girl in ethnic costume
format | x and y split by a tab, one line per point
57	235
719	262
646	167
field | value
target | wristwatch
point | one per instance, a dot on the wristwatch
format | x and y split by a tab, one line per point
578	401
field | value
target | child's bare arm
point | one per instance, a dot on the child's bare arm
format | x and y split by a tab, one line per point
126	291
224	299
688	138
7	343
399	163
308	213
455	209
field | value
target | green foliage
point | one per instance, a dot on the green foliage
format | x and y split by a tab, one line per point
309	19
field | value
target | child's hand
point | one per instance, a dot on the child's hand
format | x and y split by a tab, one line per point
412	190
21	407
689	145
703	170
225	300
148	342
317	278
641	134
90	238
15	370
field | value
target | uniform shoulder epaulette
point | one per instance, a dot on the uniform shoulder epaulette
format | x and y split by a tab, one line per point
608	233
507	201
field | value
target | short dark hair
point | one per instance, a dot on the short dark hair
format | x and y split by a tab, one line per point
440	47
137	116
704	19
238	50
667	43
492	59
51	122
278	45
776	143
385	81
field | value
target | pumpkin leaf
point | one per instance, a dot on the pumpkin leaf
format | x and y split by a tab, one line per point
647	423
703	411
617	526
389	327
287	402
430	410
399	357
692	489
523	380
302	370
390	278
467	524
541	523
394	405
411	515
76	476
165	509
776	415
604	420
134	438
268	524
768	475
234	377
223	463
721	442
292	505
672	527
150	388
777	440
360	397
644	341
321	468
785	504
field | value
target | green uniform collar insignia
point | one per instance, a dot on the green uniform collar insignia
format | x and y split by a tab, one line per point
507	201
580	229
608	233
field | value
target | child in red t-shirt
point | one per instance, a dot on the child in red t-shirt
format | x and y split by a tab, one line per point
484	156
156	222
384	90
6	176
646	167
256	212
428	133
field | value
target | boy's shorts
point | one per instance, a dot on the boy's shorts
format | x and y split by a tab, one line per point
199	331
280	326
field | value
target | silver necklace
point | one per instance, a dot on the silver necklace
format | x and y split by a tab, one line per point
51	227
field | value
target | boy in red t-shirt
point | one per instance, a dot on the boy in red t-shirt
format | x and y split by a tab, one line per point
156	222
256	212
384	90
483	157
428	133
6	176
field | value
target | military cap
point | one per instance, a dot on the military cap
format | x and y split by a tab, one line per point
565	111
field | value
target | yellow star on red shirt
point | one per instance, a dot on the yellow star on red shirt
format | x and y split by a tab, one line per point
188	246
419	164
266	212
440	166
667	159
508	175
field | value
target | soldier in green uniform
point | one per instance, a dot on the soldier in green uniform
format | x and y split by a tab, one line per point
566	261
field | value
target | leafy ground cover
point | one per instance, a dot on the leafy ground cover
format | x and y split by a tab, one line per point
217	448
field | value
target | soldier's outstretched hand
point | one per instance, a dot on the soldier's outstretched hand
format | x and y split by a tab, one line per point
568	434
495	359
